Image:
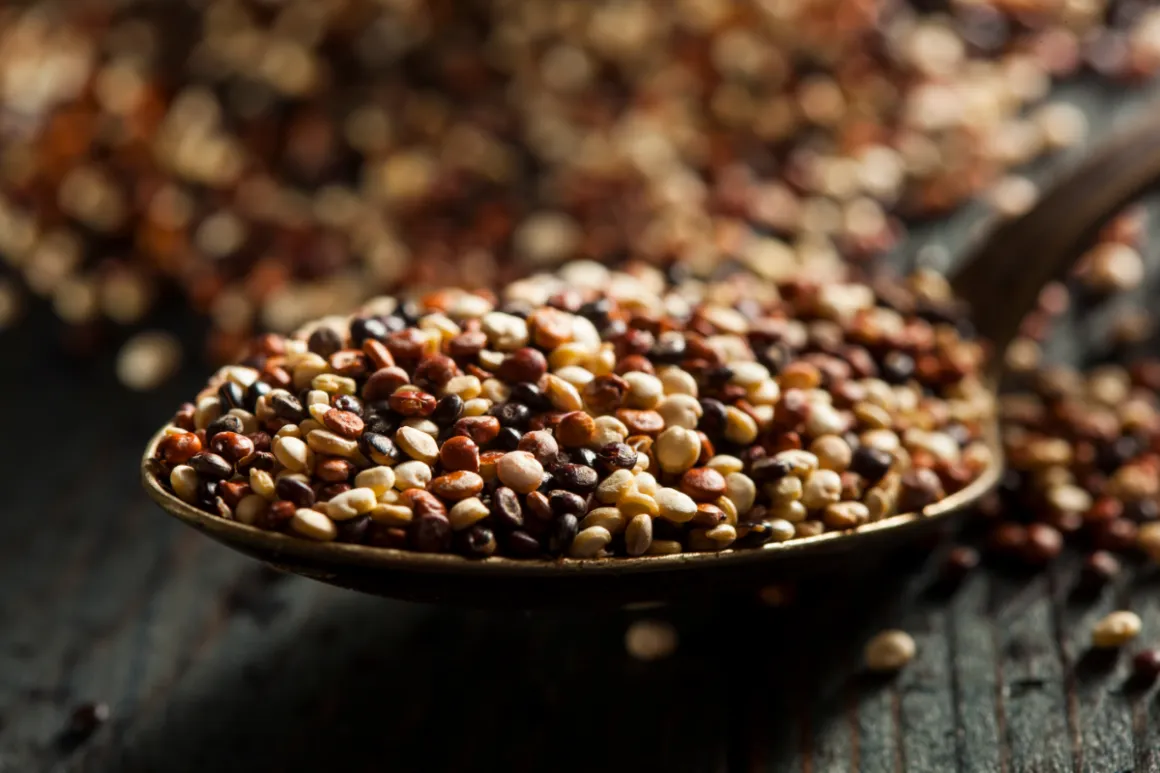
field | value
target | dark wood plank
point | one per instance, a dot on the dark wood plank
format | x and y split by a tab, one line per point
925	702
976	680
1144	597
1032	687
1103	713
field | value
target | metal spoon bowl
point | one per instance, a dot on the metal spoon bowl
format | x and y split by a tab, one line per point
1001	281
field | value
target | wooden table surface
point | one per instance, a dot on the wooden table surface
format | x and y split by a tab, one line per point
210	662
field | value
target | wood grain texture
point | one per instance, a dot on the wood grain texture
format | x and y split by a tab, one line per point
212	663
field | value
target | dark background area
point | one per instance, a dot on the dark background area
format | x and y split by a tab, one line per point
210	662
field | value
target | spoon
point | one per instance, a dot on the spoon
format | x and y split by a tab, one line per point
1001	280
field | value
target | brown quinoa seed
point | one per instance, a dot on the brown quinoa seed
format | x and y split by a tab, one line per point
458	485
703	484
459	453
576	429
343	423
1146	665
177	448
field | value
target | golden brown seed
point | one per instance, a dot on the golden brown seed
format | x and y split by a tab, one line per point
703	484
889	651
343	423
459	453
178	447
650	640
1116	629
846	515
576	429
457	485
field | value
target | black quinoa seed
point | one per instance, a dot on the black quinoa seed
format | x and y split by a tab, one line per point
769	469
617	456
870	463
520	544
209	465
563	532
565	502
447	410
227	423
294	490
379	448
355	530
255	391
231	395
577	478
350	404
508	439
367	327
506	510
324	341
512	414
286	406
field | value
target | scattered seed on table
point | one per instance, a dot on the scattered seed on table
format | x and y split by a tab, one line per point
650	640
1116	629
889	651
83	721
1146	664
148	359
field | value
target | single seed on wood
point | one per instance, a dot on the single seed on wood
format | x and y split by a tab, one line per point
889	651
650	640
1116	629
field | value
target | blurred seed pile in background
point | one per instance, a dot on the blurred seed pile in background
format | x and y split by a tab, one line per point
273	161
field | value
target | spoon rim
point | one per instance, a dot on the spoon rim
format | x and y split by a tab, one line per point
276	545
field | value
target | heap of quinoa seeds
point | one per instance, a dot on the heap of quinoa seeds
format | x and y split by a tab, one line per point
273	162
593	412
1083	447
1083	452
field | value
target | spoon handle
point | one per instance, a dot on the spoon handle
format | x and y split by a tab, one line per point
1002	277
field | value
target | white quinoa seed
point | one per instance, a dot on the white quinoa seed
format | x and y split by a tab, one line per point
675	506
313	525
521	471
650	640
677	449
417	444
